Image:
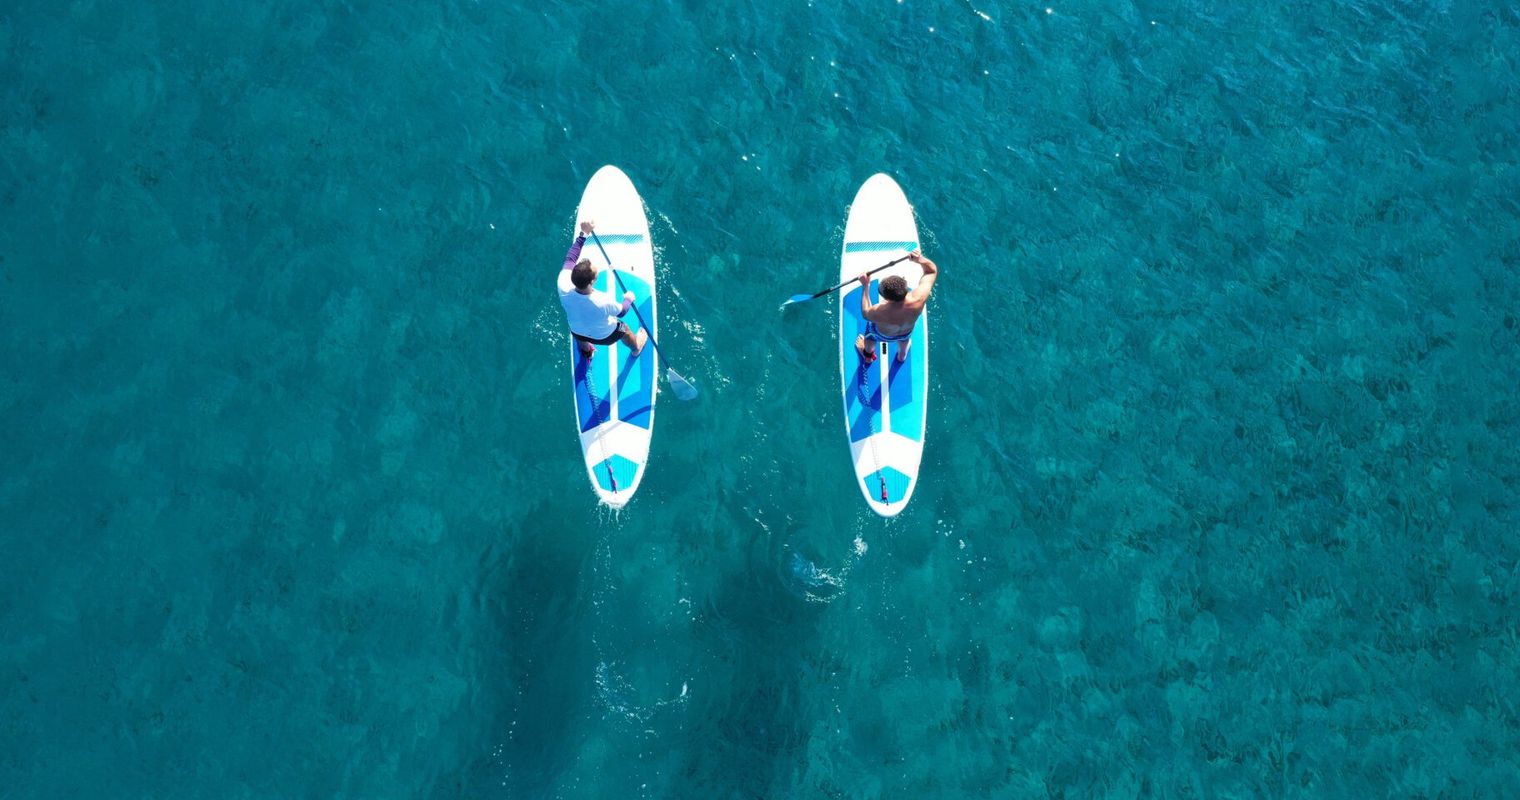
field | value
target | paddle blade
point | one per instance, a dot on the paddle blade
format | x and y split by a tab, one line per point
798	298
683	388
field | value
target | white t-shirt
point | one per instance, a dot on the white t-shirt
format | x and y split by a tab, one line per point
594	315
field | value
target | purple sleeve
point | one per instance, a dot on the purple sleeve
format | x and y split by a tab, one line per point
575	252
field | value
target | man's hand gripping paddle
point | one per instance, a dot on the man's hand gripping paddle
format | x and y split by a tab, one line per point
803	298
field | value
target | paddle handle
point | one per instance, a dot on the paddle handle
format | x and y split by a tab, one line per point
891	263
635	306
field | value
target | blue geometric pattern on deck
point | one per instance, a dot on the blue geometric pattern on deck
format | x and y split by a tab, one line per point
593	404
907	383
897	484
622	469
862	389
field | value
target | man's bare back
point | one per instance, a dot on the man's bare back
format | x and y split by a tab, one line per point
893	318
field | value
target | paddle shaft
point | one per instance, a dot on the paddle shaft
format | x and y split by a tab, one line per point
635	306
891	263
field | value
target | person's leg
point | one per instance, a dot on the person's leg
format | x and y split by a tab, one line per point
866	348
635	341
902	350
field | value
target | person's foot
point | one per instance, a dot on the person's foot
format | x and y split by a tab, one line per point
867	353
902	350
638	341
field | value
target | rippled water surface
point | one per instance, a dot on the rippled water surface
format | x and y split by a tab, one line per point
1220	492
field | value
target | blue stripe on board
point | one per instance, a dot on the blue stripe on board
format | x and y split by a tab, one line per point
907	383
865	401
636	376
862	384
878	247
621	238
593	403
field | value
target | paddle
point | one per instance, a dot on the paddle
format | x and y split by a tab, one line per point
683	388
803	298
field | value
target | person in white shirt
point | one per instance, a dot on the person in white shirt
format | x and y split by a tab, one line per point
594	316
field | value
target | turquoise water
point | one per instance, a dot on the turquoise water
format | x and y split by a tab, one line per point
1220	491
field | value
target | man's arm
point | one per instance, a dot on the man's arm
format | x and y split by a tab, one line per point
575	249
865	295
925	285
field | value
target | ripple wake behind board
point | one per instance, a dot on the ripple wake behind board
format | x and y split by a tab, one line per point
885	402
615	391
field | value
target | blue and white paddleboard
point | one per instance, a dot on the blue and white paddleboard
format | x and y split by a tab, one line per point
615	391
885	402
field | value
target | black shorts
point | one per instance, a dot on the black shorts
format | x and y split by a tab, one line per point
611	338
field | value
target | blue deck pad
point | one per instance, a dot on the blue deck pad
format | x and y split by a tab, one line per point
897	484
862	383
636	376
622	469
878	247
907	383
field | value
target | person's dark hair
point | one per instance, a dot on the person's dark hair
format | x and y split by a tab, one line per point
582	275
894	288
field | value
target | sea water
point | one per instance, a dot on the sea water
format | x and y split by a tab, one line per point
1219	497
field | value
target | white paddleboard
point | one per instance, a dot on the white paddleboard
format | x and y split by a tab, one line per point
615	391
885	403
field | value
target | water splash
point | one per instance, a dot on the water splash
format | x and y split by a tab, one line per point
619	696
804	578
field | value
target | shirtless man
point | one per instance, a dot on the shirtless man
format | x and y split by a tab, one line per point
593	316
892	319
